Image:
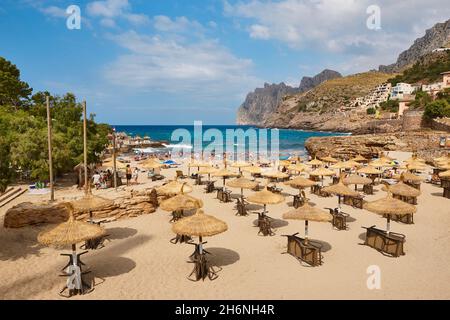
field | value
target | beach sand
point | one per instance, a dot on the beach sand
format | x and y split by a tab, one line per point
140	263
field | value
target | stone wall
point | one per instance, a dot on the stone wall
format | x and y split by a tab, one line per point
27	213
412	120
441	124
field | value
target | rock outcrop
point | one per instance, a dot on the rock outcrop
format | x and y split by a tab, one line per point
26	214
425	143
308	83
260	104
436	37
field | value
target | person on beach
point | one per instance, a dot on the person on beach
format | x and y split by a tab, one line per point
136	175
96	180
128	174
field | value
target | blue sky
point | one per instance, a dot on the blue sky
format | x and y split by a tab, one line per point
173	62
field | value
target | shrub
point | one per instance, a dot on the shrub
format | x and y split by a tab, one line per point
437	109
371	110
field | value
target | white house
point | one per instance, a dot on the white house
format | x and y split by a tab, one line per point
401	89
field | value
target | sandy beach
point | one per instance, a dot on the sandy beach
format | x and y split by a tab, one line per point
139	262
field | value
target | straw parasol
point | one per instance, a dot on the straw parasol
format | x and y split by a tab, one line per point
173	188
445	166
90	203
300	183
253	170
388	206
409	176
415	166
321	172
110	164
200	225
284	163
402	189
443	158
378	163
181	202
445	174
240	165
242	183
340	189
208	171
275	175
298	167
265	197
329	159
70	232
315	162
152	164
356	179
198	165
225	174
359	158
308	213
369	170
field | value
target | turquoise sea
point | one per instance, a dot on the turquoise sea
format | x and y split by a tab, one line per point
290	141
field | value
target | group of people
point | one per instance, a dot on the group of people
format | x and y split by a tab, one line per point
100	179
130	174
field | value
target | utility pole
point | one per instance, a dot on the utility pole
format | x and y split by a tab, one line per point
50	160
114	159
86	187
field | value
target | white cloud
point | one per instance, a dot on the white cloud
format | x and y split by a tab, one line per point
339	26
177	25
160	63
54	12
109	10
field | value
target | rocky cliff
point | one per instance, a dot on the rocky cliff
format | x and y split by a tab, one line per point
437	36
308	83
261	103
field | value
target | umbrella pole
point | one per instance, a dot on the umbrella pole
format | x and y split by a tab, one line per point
306	231
85	149
264	212
388	224
339	203
200	245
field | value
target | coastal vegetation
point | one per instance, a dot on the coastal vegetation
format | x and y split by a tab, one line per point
427	70
23	130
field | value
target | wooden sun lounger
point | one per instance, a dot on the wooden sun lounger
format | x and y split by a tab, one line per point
339	218
180	238
309	252
265	225
240	206
356	202
181	175
70	272
406	219
202	269
410	200
223	196
298	201
176	215
390	244
96	243
210	187
368	189
274	189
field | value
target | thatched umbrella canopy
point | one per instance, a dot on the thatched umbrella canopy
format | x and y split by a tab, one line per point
379	163
152	164
369	170
197	164
388	206
402	189
173	188
300	183
415	159
445	166
252	170
416	166
265	197
208	171
181	202
409	176
225	174
322	172
242	183
443	158
329	159
240	165
91	203
70	232
275	175
110	164
284	163
356	179
199	225
340	189
445	174
308	213
298	167
315	162
359	158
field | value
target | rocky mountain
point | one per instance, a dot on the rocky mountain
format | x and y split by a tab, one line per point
261	103
436	37
309	83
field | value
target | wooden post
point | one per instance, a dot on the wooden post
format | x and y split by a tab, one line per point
50	160
86	181
114	159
